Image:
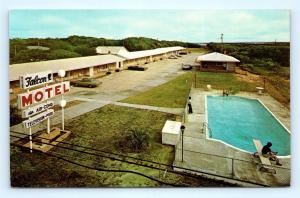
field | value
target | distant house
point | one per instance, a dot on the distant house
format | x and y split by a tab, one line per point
36	47
111	50
216	62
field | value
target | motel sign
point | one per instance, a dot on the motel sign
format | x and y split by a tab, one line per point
32	80
37	109
38	118
42	94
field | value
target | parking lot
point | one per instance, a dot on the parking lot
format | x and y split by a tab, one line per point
120	85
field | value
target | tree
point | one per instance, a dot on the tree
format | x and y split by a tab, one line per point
60	53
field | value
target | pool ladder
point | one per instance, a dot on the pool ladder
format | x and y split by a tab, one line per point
205	125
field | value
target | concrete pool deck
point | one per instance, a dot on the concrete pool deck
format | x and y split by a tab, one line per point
220	160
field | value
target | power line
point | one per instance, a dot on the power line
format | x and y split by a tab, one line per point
134	163
93	149
104	170
151	166
145	160
120	160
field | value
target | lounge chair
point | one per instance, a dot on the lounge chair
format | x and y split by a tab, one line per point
265	162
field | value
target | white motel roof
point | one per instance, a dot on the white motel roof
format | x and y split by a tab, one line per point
68	64
216	57
145	53
16	70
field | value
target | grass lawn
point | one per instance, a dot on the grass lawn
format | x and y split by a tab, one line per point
171	94
198	50
105	129
175	92
224	81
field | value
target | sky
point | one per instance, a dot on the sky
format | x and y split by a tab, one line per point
182	25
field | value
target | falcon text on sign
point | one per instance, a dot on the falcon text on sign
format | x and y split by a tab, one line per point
32	80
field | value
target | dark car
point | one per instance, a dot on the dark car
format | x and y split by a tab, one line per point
172	57
86	82
186	67
137	68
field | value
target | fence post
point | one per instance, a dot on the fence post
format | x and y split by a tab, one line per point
232	167
195	83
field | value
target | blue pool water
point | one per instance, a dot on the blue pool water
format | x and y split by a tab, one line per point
237	121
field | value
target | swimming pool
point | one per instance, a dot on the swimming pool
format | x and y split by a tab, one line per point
237	121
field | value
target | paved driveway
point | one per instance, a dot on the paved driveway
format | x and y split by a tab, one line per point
126	83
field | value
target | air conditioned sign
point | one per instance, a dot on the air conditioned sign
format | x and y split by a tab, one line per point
42	94
38	118
37	109
33	80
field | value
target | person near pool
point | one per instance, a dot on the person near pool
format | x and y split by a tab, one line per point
190	105
268	153
225	92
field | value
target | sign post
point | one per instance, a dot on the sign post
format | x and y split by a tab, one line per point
62	73
63	104
30	139
30	132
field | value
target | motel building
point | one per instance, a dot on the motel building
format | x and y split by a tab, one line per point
139	57
216	62
110	59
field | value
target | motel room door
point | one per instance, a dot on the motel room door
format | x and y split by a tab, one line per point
120	65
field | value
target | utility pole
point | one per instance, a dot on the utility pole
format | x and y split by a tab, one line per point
15	50
222	47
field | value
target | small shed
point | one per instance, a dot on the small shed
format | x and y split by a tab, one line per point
171	132
216	62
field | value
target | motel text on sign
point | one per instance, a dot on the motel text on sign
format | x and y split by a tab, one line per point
42	94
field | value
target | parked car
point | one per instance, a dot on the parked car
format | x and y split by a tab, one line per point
137	68
186	67
86	82
172	57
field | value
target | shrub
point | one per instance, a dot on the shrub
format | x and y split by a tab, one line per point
135	140
247	67
15	116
